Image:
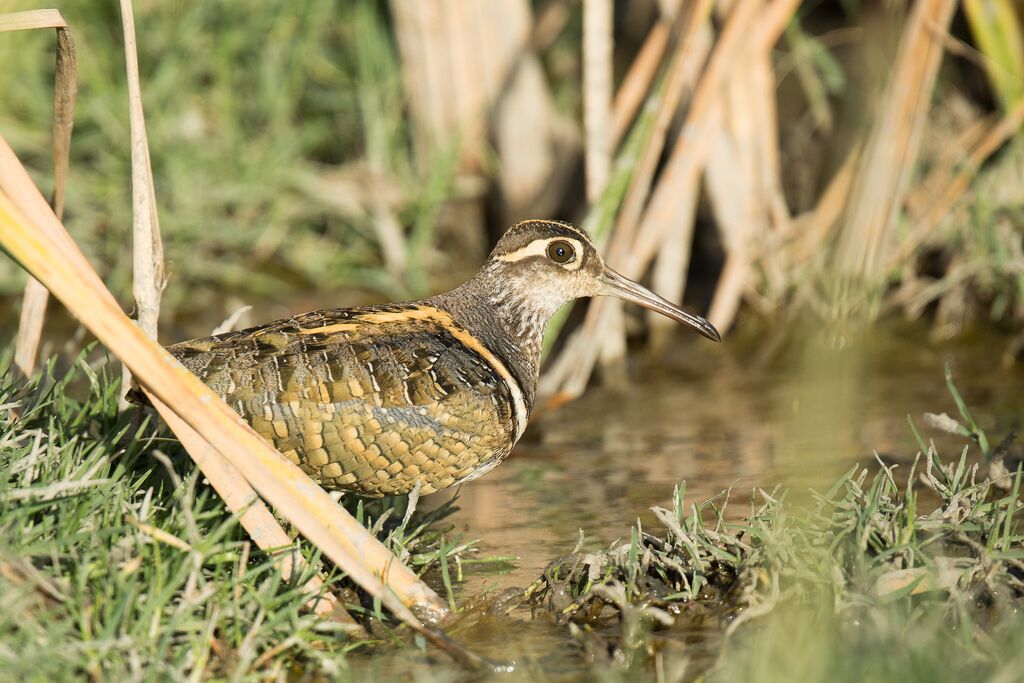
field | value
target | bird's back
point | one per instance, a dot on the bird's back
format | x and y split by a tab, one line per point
370	400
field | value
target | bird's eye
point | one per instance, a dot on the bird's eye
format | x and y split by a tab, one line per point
561	252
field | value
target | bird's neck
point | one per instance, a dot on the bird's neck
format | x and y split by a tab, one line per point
505	320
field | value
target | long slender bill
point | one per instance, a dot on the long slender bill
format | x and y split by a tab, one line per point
615	284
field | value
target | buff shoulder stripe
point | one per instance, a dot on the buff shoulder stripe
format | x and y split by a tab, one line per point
330	329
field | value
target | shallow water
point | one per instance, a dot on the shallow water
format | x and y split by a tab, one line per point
747	415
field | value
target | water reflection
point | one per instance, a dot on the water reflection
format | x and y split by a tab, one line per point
711	417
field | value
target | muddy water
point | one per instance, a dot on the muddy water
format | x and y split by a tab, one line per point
748	414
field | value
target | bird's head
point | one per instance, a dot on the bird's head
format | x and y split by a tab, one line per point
547	264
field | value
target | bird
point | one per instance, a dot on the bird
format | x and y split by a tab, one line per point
379	400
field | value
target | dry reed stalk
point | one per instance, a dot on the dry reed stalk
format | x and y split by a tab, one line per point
810	229
749	34
730	187
602	335
945	165
469	67
639	79
423	59
885	167
522	115
750	26
597	95
668	276
147	247
463	20
673	259
745	171
731	175
551	19
665	212
946	197
65	91
38	241
767	150
684	71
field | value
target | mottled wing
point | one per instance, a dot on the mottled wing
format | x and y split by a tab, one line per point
370	400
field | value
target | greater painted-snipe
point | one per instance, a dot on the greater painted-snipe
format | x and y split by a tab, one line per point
376	399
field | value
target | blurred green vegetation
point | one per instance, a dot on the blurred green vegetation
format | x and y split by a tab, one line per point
279	136
248	113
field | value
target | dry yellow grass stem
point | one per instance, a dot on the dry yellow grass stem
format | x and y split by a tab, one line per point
32	20
948	194
597	94
255	517
638	80
147	247
39	242
883	175
65	91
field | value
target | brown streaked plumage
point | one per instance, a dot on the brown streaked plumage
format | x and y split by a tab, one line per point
377	399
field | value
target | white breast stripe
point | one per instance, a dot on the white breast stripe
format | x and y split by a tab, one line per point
540	248
521	415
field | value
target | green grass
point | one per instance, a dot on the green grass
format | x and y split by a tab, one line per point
116	560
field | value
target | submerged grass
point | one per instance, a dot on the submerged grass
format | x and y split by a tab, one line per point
116	560
918	577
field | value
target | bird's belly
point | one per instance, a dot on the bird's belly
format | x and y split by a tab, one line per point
372	450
